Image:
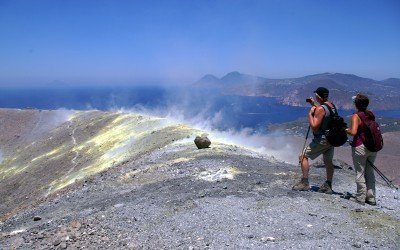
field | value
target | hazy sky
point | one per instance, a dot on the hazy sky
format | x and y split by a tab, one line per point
179	41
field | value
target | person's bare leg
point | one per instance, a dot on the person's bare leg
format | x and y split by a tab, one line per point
305	167
329	169
303	184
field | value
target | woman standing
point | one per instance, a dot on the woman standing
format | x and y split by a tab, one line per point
362	157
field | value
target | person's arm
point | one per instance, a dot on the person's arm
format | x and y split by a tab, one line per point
315	117
355	122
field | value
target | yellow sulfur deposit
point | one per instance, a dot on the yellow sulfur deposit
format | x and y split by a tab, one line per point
51	153
115	143
96	142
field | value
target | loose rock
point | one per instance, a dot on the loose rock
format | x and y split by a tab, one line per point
56	242
63	245
202	141
119	205
76	224
266	239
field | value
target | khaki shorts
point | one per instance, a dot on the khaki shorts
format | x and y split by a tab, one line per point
318	147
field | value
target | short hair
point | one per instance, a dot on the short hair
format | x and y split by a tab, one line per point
361	101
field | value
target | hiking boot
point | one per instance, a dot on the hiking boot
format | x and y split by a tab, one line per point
351	197
302	185
372	203
357	201
325	188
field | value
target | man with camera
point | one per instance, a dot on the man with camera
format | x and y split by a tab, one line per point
319	118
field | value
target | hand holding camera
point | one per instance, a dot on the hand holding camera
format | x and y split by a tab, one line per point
313	104
311	101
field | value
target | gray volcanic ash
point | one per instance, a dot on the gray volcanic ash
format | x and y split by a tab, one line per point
118	180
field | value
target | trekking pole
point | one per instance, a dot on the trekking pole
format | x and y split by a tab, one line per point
386	179
304	145
312	103
389	182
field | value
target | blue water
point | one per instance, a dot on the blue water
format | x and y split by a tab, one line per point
223	112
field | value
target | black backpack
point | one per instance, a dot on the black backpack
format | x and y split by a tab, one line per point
336	130
372	137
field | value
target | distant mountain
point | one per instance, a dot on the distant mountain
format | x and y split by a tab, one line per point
236	78
208	81
395	82
384	95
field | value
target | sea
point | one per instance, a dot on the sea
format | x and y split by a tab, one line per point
203	106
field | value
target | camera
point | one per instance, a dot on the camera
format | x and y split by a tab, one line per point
310	101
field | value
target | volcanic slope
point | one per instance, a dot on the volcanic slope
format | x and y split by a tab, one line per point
92	179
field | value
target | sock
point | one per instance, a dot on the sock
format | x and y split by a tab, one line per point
304	179
329	183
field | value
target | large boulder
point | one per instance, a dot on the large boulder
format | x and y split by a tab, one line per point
202	141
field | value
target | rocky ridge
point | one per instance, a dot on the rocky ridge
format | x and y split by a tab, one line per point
129	181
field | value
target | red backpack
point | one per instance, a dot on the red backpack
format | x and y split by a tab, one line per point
372	136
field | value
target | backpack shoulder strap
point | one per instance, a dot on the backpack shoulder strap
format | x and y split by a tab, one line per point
330	109
362	116
363	120
334	108
328	113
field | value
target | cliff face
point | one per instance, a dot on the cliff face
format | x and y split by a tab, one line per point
116	180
